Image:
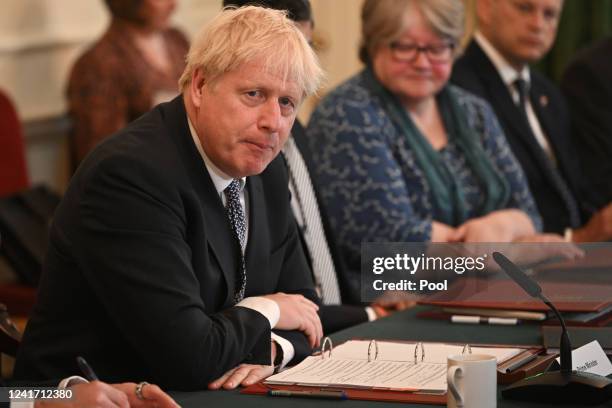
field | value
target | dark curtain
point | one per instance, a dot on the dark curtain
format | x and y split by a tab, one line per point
582	23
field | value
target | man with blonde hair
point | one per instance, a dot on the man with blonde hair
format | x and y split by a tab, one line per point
174	257
341	307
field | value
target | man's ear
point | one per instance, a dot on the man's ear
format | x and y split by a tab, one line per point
196	87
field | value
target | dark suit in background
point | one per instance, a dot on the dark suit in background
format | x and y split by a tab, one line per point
333	317
141	269
475	72
587	85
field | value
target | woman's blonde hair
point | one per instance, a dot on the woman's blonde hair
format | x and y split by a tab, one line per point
382	21
240	35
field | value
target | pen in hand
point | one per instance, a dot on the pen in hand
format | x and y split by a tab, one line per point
86	369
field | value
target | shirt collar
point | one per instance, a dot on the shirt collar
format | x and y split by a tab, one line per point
506	71
219	178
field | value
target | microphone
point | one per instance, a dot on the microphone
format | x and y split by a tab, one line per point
566	386
534	290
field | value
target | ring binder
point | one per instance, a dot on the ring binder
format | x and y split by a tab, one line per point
416	347
382	370
370	350
327	340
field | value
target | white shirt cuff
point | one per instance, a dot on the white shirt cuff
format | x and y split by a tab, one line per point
265	306
288	350
70	381
22	404
371	314
66	382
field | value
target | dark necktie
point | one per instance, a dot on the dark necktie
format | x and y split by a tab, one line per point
522	88
237	220
568	198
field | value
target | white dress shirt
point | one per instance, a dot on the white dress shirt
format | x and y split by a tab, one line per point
509	75
266	307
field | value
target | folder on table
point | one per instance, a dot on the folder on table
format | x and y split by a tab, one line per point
507	295
385	370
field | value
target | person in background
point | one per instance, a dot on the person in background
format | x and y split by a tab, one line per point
587	85
133	67
403	156
512	34
173	256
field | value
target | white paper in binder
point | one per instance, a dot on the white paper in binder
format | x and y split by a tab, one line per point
382	365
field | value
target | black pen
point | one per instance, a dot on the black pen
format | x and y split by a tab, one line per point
86	369
341	395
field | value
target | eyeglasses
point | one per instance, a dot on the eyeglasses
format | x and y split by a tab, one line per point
436	53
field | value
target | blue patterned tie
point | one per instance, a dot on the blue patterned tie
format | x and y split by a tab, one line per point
235	213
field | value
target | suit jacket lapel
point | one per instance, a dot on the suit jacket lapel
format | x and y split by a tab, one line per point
540	102
220	236
506	109
299	136
258	246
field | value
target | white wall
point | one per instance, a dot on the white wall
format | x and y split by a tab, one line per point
337	26
40	39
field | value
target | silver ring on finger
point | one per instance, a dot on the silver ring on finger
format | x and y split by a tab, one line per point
139	388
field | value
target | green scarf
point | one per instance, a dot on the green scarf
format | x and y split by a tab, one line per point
447	197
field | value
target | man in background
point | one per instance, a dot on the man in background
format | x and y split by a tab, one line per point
587	85
512	34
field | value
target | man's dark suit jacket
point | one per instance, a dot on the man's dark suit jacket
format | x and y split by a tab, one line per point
142	264
476	73
587	85
333	317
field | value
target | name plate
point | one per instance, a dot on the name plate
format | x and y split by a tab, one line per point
591	358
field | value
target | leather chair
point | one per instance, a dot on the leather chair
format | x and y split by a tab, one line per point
13	178
13	170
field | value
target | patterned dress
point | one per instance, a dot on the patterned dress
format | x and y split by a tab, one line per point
370	182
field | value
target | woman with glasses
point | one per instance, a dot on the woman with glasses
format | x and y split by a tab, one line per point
404	156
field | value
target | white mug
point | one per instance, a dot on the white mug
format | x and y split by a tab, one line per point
472	381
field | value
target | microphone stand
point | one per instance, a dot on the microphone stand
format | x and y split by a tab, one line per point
565	349
566	386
